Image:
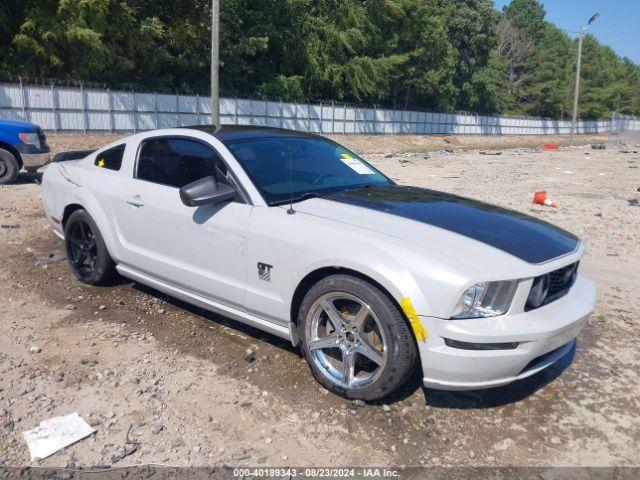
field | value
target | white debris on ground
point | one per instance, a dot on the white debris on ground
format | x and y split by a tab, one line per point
55	434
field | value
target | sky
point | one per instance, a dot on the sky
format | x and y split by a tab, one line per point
617	27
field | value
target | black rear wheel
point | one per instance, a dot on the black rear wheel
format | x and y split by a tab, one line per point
87	252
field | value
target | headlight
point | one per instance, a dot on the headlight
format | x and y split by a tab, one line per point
485	299
30	139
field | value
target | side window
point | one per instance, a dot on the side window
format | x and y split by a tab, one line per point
176	162
110	159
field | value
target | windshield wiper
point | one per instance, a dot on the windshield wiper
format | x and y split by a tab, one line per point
299	198
308	195
366	185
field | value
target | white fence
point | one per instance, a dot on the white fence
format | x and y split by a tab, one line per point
77	109
624	129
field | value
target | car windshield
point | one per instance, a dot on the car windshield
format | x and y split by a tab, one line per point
295	168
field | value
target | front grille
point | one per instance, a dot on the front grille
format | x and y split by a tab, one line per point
560	282
42	137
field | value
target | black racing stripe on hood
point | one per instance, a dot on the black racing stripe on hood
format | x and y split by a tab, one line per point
528	238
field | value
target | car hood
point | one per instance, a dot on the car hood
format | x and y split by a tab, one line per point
527	238
17	125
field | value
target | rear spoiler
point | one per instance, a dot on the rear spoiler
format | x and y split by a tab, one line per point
76	155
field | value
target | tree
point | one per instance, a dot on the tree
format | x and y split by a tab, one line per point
548	91
413	54
629	95
428	67
472	27
517	53
528	17
602	88
75	39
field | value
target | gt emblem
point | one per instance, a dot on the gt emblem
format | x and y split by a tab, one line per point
264	271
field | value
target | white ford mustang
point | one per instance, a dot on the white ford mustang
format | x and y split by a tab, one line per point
298	236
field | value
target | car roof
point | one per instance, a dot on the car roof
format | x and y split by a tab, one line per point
227	133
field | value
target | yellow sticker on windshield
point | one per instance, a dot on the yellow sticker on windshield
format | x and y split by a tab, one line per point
356	165
100	163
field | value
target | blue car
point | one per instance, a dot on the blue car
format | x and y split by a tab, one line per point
22	145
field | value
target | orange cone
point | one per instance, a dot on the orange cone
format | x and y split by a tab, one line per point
540	198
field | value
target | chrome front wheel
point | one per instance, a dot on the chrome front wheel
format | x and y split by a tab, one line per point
355	338
346	340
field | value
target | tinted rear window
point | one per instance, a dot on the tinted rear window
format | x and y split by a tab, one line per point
110	159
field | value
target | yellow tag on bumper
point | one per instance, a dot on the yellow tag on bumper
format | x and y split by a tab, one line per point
416	325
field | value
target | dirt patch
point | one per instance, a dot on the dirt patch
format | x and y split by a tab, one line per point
175	378
420	143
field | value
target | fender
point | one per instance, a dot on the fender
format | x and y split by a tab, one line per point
61	189
83	196
399	283
9	139
388	272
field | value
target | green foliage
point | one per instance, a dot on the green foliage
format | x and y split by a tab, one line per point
415	54
545	78
288	89
485	91
548	91
528	17
602	70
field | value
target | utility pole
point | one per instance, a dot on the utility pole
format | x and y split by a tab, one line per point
576	93
215	62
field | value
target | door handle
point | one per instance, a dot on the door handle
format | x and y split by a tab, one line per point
135	201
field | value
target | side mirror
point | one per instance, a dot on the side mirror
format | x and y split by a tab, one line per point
204	191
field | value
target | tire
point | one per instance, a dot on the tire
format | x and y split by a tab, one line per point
9	167
86	250
384	329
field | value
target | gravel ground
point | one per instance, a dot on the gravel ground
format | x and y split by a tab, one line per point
163	382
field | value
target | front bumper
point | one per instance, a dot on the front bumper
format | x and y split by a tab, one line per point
35	160
544	335
33	157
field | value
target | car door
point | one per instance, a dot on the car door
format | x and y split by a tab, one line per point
201	249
